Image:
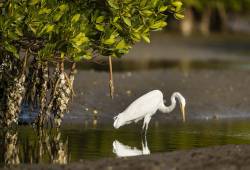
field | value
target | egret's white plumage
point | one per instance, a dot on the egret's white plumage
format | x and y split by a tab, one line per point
146	106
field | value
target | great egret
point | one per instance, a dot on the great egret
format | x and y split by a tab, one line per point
146	106
122	150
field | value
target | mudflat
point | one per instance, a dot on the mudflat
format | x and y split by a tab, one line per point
228	157
209	93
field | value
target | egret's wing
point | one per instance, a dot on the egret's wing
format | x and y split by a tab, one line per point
147	104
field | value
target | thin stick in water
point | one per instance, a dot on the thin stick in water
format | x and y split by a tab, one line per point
111	82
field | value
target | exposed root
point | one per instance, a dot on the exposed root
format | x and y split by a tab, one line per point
38	84
42	89
61	93
32	82
14	99
14	78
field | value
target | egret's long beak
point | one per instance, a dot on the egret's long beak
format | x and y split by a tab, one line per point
183	113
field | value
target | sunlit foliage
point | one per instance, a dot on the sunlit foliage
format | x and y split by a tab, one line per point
75	30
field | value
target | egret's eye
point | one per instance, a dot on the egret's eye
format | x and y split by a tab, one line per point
115	118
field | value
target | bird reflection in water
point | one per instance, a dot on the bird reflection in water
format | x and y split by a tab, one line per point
122	150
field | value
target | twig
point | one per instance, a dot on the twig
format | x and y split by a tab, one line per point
111	82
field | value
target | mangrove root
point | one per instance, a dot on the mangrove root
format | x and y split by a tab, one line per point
11	150
13	90
61	93
42	93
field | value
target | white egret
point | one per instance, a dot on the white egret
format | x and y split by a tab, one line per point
146	106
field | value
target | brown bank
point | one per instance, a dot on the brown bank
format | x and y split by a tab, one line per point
229	157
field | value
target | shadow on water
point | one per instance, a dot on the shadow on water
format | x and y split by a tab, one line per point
137	65
76	142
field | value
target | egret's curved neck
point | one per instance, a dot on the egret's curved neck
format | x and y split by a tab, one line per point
170	108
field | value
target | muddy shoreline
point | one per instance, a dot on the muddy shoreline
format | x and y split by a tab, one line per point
228	157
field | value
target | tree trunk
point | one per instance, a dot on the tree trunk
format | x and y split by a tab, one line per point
223	16
205	21
187	25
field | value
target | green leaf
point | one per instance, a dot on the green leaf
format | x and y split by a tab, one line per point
179	16
116	19
44	11
158	25
136	36
121	45
154	2
19	31
112	4
88	56
12	35
64	8
178	5
32	28
33	2
46	29
118	26
75	18
143	3
127	21
145	38
163	8
57	16
99	27
147	12
11	49
109	41
100	19
50	28
80	39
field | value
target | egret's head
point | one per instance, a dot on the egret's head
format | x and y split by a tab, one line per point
182	102
118	122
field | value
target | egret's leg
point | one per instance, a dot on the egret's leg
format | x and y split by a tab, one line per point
145	123
145	149
143	127
148	118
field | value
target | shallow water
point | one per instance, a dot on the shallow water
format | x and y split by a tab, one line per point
83	142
